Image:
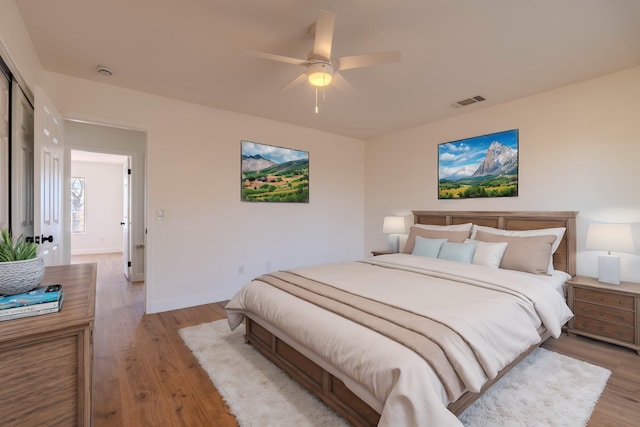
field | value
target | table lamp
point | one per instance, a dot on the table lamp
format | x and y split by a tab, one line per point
394	227
610	238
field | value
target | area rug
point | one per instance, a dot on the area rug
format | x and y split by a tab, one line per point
546	388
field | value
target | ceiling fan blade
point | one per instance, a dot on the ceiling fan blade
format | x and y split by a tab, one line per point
278	58
324	34
342	84
366	60
296	81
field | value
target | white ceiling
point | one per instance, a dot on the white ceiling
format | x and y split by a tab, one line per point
451	50
88	156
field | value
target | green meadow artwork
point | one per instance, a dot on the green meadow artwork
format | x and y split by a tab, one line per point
274	174
482	166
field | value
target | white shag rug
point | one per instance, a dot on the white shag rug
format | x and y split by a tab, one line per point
545	389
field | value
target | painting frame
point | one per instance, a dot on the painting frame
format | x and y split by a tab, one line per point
483	166
270	173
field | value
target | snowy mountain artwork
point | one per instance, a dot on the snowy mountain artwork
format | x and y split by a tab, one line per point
482	166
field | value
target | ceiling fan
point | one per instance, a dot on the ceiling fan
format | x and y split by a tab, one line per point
320	69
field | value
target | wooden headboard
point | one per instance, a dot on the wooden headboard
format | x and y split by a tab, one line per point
565	257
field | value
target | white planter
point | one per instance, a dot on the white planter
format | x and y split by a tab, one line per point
18	277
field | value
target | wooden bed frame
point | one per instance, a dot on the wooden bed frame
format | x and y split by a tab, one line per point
334	393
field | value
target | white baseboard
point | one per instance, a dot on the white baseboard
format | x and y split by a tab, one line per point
188	301
98	251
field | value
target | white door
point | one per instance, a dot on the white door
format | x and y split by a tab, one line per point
4	151
48	173
22	161
126	214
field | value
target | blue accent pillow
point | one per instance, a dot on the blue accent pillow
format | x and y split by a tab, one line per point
427	247
459	252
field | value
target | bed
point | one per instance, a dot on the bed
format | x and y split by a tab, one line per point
353	333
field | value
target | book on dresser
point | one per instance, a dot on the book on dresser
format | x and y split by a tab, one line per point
41	300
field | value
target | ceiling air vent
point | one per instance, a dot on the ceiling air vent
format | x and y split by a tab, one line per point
468	101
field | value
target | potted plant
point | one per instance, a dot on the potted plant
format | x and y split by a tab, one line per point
21	269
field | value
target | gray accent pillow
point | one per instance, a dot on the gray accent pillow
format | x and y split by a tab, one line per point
427	247
459	252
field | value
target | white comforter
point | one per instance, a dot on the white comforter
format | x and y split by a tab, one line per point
497	312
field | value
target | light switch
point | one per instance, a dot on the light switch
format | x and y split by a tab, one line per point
159	214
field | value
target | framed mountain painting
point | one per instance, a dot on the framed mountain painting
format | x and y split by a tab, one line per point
274	174
482	166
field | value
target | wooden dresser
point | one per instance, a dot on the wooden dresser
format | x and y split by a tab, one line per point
46	361
606	312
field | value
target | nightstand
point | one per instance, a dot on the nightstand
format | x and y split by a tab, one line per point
605	312
376	253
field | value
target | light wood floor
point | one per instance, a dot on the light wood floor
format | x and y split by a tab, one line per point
144	375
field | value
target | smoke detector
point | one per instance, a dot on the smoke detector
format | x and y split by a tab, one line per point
104	71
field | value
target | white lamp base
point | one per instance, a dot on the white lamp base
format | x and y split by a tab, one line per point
394	242
609	269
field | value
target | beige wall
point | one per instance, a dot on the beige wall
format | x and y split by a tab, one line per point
579	150
208	236
16	47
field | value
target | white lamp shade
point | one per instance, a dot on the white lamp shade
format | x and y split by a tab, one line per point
393	225
610	237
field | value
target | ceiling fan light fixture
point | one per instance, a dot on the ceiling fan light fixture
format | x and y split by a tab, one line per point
320	74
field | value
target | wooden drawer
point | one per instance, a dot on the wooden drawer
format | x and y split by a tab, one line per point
604	313
605	298
260	333
605	329
46	361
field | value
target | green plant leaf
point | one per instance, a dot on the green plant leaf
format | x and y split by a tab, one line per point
16	249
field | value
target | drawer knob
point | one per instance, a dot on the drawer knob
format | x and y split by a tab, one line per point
584	308
601	328
601	313
584	324
621	317
621	302
621	333
601	298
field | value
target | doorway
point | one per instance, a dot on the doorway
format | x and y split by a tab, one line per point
106	193
99	194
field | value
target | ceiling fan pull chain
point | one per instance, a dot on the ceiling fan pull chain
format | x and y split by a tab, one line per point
324	97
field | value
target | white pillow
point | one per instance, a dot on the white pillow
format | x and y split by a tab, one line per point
455	227
558	232
487	253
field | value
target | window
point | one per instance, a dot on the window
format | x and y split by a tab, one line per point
77	205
